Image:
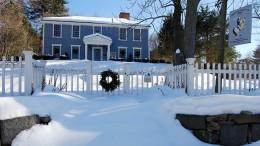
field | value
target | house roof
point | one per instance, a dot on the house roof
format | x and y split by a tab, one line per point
93	20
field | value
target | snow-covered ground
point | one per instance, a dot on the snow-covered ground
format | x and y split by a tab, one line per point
146	119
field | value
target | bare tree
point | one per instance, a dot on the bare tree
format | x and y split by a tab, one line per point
256	8
150	10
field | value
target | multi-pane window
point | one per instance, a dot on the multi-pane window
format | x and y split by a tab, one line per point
75	52
75	31
97	29
56	51
122	53
57	30
137	53
112	55
137	34
122	34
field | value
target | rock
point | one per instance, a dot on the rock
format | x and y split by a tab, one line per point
45	120
246	113
217	118
213	126
233	135
255	131
244	118
12	127
206	136
192	122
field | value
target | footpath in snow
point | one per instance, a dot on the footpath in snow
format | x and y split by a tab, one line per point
129	120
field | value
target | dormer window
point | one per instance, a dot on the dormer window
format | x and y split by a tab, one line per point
97	29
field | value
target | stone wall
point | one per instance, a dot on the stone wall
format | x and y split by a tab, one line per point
224	129
10	128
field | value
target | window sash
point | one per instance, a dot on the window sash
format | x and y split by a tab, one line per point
122	33
57	30
137	34
97	29
75	31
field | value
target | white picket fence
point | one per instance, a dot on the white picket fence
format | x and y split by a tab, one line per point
12	77
236	79
86	81
21	77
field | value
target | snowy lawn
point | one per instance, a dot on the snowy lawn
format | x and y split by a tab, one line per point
145	119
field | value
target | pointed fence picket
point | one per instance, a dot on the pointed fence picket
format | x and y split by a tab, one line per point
22	77
232	79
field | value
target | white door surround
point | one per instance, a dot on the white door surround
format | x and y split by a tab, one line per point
97	39
97	55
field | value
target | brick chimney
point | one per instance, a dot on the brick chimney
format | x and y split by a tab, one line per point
124	15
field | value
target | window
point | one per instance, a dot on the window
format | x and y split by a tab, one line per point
122	34
56	51
137	34
137	53
75	31
97	29
112	55
56	30
122	54
75	52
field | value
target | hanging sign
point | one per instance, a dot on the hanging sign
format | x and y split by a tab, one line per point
240	26
147	77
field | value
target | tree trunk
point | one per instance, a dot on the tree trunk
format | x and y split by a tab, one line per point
190	28
178	30
222	39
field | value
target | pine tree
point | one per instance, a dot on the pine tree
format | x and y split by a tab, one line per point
36	9
256	55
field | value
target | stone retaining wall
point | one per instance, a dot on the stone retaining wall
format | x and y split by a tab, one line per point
10	128
224	129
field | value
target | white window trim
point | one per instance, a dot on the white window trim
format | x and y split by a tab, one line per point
97	26
134	35
72	32
111	55
119	34
119	52
136	48
71	46
100	54
53	46
60	31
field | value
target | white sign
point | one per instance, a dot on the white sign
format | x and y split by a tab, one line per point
147	77
240	26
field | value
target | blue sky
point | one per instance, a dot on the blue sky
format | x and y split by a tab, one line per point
112	8
101	8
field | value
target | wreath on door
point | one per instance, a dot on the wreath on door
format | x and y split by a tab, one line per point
112	85
56	51
75	51
137	53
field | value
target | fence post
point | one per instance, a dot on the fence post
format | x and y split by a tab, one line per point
89	76
39	74
28	72
190	76
127	78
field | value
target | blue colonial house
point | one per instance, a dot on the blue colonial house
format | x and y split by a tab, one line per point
95	38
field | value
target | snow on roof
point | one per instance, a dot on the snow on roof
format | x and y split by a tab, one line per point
100	20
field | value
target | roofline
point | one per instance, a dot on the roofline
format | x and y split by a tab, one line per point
82	22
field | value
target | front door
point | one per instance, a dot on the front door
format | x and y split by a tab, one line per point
97	54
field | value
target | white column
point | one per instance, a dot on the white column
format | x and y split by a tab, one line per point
28	74
86	51
108	52
190	76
